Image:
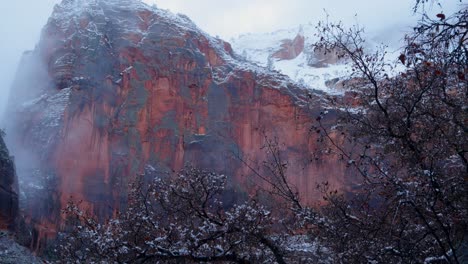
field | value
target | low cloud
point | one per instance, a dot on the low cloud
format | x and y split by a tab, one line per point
20	25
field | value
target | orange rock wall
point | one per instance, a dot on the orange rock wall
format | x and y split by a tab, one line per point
160	95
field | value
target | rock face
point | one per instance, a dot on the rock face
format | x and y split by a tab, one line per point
8	189
290	49
321	59
114	87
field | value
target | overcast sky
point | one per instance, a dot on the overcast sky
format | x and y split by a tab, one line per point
235	17
22	20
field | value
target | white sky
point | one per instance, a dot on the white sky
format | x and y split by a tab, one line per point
22	20
240	16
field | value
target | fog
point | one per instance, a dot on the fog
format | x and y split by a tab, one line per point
20	25
22	20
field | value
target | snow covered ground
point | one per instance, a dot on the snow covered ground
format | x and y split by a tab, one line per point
13	253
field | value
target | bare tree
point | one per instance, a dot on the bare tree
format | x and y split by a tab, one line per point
180	218
411	130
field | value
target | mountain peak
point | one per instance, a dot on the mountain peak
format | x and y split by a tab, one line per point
118	12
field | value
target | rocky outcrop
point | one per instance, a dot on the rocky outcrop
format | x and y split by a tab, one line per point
13	253
319	58
290	49
8	189
128	86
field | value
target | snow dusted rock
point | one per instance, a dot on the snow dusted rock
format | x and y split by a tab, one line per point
126	85
290	49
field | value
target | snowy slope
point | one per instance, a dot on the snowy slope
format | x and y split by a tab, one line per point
258	48
306	69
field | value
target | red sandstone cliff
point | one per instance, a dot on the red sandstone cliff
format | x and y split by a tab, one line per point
112	88
290	49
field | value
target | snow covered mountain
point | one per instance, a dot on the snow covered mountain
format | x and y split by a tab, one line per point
291	52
